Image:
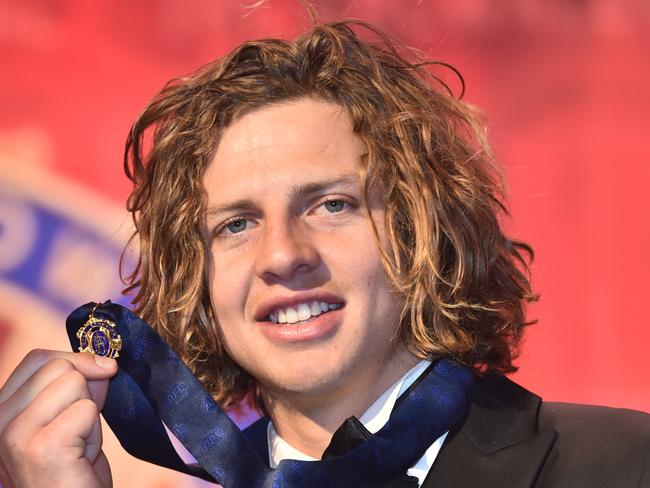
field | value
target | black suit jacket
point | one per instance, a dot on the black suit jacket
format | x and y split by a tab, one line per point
510	438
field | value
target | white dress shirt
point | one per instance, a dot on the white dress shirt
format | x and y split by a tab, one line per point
373	419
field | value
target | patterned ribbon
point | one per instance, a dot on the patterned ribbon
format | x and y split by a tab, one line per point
154	386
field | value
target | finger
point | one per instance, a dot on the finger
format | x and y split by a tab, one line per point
65	390
58	450
38	381
92	367
26	393
103	470
77	428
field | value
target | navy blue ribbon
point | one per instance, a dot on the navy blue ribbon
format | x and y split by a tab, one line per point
154	386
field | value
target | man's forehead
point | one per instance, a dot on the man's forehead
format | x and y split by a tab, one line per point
292	148
307	125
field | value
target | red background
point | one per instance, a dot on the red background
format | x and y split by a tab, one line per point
564	85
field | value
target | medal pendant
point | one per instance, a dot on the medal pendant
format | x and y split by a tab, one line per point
98	336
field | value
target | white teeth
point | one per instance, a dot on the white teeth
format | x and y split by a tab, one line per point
304	311
292	315
301	312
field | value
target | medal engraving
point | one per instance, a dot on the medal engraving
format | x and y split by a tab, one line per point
98	337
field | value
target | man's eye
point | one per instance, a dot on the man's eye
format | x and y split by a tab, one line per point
236	226
334	206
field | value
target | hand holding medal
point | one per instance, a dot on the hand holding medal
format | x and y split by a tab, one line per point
50	433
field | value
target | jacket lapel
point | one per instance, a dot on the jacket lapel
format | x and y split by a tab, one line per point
497	444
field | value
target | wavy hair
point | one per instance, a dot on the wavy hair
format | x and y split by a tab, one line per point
464	284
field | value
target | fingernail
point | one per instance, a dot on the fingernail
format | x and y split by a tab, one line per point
104	362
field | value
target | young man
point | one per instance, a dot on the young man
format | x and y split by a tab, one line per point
318	225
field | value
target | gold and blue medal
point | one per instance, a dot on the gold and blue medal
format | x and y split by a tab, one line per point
99	337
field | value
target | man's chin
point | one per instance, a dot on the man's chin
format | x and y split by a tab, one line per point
303	384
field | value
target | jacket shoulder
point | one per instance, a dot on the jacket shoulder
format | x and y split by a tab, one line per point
510	437
592	421
610	446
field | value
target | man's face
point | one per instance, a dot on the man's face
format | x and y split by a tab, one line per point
297	285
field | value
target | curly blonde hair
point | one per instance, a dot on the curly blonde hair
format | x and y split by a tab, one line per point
464	284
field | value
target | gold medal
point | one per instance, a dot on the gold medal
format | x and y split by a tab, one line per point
98	336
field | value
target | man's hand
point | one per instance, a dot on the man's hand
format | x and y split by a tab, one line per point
50	434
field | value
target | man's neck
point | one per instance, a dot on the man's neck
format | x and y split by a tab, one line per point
307	422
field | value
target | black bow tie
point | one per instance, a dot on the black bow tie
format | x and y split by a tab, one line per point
351	434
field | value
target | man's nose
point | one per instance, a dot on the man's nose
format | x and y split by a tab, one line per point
285	251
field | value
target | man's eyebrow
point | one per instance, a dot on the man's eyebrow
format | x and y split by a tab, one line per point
307	189
242	205
299	191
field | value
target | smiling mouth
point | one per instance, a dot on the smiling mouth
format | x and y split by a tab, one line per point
301	312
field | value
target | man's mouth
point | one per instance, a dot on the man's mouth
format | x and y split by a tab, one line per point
301	312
